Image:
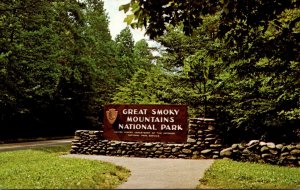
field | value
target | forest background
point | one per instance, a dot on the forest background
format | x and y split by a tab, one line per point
232	61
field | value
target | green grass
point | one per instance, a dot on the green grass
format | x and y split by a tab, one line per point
42	168
232	174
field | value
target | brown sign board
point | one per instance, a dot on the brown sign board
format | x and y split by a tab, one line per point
145	123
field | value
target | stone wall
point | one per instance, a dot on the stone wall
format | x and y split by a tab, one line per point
264	152
202	142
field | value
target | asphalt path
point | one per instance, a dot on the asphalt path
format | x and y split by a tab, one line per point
157	173
34	144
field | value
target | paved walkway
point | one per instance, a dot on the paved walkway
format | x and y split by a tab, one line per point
155	173
25	145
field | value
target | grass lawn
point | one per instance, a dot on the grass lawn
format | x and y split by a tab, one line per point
232	174
42	168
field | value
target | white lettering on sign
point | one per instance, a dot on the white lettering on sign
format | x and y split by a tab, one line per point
165	112
149	123
171	127
153	111
133	122
136	119
137	126
134	111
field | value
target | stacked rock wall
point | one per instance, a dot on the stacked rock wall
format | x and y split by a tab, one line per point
202	142
264	152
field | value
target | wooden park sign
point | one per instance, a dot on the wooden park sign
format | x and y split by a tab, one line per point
146	123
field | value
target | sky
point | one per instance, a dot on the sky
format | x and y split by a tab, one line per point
116	19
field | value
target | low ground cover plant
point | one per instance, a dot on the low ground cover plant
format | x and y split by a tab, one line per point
42	168
232	174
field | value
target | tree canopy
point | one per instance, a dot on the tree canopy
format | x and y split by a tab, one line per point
58	65
240	60
236	61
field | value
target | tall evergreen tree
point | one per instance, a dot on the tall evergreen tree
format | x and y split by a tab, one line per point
125	55
142	55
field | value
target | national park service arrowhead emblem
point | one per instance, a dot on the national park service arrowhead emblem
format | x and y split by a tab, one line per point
111	115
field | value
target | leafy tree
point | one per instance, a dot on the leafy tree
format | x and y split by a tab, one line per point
195	60
28	60
101	51
255	83
142	55
266	91
145	87
48	70
125	55
155	16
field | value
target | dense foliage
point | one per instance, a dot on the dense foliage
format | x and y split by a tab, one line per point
237	61
58	65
